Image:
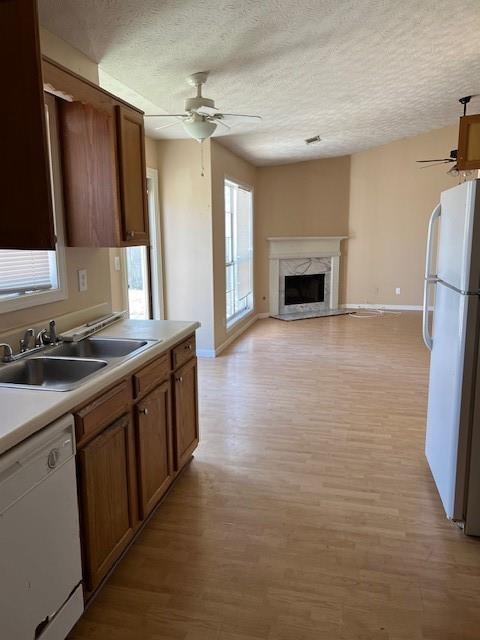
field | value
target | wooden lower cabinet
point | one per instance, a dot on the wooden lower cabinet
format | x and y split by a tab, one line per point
154	447
186	412
107	498
132	441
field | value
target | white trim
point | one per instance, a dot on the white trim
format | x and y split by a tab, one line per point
61	292
388	307
156	258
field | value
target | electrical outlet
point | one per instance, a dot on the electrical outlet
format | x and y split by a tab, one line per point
397	291
82	280
116	262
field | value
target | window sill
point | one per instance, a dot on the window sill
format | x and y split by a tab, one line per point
32	300
236	319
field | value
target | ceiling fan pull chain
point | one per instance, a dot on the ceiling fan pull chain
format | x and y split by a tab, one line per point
201	159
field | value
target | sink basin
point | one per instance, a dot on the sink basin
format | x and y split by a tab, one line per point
55	374
98	348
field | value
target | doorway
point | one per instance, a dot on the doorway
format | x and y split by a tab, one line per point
144	265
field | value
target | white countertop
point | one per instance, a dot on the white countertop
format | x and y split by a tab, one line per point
25	411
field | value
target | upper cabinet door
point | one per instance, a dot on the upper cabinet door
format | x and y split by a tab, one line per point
26	209
133	175
468	154
89	175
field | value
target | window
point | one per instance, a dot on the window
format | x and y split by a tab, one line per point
29	278
238	251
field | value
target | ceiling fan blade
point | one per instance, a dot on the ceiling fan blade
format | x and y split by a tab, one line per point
238	115
220	121
435	164
166	126
438	160
165	115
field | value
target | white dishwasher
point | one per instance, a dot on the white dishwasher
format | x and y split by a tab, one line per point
40	564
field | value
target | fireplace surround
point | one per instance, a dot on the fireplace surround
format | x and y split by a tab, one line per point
290	257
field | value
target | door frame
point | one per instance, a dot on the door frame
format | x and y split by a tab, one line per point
155	247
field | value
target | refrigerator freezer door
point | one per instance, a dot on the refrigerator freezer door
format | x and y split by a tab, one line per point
447	433
457	237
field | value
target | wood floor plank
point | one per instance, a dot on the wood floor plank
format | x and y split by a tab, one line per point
309	512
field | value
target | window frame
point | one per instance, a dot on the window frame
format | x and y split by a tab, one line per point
26	301
231	321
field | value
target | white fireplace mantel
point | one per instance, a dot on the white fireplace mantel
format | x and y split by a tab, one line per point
289	247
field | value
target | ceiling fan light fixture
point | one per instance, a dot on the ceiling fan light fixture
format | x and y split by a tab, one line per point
199	129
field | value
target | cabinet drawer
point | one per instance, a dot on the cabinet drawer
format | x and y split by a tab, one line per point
102	411
151	375
183	352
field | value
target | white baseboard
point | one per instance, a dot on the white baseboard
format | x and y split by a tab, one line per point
262	316
387	307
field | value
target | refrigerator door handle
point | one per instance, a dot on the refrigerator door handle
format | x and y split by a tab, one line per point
429	277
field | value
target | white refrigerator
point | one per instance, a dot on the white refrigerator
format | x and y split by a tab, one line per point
452	282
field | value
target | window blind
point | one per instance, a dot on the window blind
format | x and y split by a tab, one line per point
22	271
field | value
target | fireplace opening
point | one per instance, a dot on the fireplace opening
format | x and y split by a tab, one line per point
305	289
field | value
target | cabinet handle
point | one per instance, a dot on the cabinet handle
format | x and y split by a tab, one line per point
188	347
130	235
179	379
143	410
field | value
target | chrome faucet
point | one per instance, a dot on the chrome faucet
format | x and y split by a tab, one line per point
47	337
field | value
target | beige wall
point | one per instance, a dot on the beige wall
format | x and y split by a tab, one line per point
391	199
185	202
151	155
302	199
224	165
84	305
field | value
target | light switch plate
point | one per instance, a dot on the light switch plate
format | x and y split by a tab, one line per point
397	291
116	262
82	280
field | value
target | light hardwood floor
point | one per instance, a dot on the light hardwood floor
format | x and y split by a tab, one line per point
308	512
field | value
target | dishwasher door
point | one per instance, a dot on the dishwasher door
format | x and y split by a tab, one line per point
40	563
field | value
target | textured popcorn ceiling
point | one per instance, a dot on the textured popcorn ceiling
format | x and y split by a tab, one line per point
358	72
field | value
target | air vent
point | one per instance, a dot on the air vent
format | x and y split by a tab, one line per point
313	140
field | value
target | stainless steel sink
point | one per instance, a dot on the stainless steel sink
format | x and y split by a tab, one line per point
55	374
98	348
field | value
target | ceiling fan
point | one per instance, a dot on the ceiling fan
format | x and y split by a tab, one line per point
453	153
201	116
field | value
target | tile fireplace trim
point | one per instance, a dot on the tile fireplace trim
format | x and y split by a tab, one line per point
281	248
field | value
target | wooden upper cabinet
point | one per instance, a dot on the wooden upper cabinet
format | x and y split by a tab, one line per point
103	149
89	175
468	154
133	175
26	209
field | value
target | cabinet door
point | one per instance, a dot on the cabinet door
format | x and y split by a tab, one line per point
468	154
186	412
26	209
106	499
154	447
133	176
91	195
